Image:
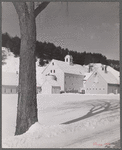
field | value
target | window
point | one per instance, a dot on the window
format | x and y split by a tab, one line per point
67	59
11	90
103	89
53	71
96	88
4	90
52	63
99	88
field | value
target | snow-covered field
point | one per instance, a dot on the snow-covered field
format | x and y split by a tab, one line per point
65	121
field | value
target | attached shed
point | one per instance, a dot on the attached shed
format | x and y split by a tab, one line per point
50	86
9	83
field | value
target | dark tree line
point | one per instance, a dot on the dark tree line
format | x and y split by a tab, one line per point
3	57
48	51
13	43
114	64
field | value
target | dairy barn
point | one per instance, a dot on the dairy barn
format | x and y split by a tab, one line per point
69	76
102	81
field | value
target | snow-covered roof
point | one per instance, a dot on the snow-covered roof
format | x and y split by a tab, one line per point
51	82
108	77
114	72
87	75
39	78
9	78
11	62
112	76
72	69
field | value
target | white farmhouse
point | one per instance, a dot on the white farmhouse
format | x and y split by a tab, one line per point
69	76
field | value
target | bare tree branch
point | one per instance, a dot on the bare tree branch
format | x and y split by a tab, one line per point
40	8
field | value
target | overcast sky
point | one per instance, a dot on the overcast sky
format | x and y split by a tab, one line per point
84	26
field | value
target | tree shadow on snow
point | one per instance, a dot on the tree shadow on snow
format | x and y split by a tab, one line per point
96	109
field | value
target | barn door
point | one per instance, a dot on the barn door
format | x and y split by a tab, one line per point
54	90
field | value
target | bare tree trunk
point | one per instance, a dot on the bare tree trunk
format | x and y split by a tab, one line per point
27	103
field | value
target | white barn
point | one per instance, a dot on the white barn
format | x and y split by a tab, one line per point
102	82
69	76
9	83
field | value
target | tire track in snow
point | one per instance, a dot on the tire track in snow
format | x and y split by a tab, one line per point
106	136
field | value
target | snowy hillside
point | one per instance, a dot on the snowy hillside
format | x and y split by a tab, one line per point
12	65
65	121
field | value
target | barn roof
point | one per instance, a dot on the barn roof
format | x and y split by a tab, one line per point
66	68
87	75
51	82
114	72
72	69
9	78
109	77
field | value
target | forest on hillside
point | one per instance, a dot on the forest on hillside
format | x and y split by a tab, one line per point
48	51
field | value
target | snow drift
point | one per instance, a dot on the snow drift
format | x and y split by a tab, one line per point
64	121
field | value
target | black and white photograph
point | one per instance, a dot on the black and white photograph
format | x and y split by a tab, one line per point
60	74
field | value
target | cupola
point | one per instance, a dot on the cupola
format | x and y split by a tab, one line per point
69	59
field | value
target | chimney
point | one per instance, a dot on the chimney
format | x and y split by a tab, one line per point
90	68
105	69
